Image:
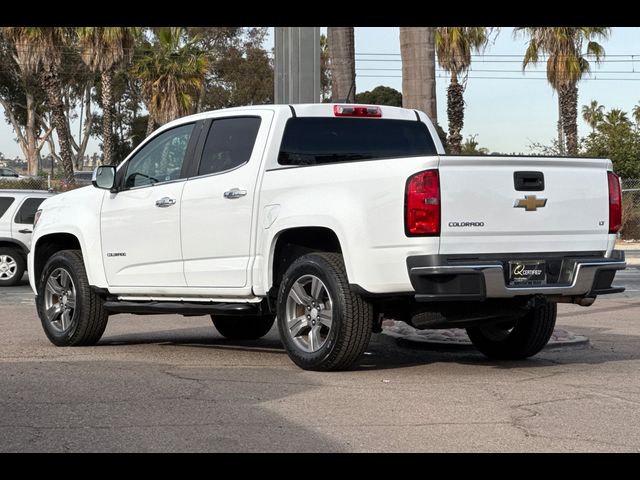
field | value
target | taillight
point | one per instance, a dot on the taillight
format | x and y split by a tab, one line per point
615	203
36	217
356	111
422	204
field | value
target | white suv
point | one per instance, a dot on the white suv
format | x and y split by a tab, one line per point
17	211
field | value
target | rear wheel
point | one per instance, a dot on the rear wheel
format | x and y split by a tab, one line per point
519	338
72	314
323	324
248	327
12	266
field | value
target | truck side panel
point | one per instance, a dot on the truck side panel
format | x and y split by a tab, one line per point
361	202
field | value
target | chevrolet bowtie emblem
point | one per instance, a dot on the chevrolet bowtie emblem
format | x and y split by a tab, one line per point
530	203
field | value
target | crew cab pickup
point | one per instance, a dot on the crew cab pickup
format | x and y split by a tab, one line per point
327	218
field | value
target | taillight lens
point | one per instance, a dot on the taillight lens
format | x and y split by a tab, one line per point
615	203
422	204
36	218
356	111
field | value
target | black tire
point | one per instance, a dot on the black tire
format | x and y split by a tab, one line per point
352	316
88	318
246	327
528	335
20	266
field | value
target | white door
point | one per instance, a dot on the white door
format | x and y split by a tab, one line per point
217	205
141	223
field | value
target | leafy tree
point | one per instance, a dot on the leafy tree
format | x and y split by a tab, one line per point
104	49
615	138
172	70
242	75
343	63
417	51
454	46
566	65
381	95
592	114
21	94
216	42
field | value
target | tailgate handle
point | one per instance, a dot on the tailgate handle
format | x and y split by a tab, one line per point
528	181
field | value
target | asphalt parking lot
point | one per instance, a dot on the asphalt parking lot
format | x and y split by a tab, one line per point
168	383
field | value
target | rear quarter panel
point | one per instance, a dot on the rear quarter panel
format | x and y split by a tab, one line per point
362	202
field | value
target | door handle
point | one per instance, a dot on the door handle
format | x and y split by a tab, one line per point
165	202
25	230
234	193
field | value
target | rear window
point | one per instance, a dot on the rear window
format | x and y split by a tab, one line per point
5	203
319	140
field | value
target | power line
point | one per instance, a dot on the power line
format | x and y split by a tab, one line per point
495	61
501	54
511	78
496	71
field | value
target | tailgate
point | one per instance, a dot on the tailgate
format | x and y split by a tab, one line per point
484	212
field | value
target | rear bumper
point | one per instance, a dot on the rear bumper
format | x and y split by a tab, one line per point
454	278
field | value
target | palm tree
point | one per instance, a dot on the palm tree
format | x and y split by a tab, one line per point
417	50
104	49
616	117
343	63
172	72
43	46
454	46
566	64
592	114
636	114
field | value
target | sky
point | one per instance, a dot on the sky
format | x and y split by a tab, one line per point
506	109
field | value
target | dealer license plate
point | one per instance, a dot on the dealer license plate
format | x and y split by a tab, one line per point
527	272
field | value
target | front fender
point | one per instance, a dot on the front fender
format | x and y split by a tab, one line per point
75	213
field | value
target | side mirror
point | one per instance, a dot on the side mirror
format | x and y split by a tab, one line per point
104	177
16	175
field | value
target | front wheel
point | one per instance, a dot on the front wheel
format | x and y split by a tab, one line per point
323	324
71	313
519	338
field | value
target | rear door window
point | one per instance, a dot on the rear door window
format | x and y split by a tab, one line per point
27	211
5	203
320	140
229	144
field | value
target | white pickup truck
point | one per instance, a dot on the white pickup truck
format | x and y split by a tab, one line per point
328	218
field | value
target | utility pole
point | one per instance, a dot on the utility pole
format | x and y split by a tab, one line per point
297	59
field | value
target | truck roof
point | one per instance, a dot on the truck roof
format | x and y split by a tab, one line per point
301	110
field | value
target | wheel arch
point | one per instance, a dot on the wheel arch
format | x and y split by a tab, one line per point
291	243
47	245
13	243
